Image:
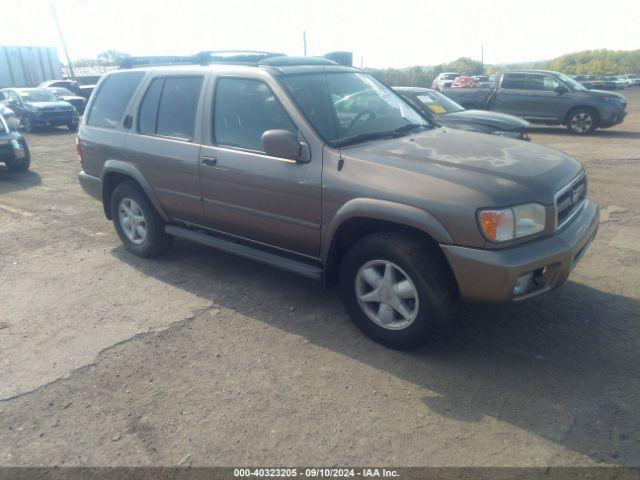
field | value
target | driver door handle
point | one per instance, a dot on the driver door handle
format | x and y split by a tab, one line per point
209	161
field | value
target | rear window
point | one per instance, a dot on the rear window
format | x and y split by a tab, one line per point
169	107
112	99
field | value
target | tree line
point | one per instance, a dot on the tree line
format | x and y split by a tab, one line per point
588	62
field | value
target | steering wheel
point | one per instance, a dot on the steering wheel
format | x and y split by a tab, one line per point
357	118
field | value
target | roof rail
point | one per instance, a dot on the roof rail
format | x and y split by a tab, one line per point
248	57
131	62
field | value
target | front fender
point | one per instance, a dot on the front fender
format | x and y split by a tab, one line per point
123	168
387	211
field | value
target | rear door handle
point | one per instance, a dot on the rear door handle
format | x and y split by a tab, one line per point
209	161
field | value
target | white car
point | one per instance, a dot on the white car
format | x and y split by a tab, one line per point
9	116
444	80
631	80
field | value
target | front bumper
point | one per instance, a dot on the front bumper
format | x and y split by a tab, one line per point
490	275
613	117
10	147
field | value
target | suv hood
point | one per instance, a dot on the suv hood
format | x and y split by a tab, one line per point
604	93
499	168
492	120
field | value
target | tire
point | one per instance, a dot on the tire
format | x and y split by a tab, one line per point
21	165
432	304
128	196
582	121
27	125
73	126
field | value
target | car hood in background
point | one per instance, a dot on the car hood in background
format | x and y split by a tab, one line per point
61	105
74	98
493	120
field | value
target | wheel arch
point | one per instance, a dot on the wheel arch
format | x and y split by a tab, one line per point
116	172
361	217
593	109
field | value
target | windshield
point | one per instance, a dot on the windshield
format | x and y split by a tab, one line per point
450	76
571	82
36	95
437	103
351	107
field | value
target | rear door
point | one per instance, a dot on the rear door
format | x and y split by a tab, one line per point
511	96
247	193
164	143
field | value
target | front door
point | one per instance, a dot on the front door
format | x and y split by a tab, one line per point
246	193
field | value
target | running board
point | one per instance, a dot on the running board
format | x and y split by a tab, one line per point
241	250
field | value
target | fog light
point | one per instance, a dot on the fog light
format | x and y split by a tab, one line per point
522	284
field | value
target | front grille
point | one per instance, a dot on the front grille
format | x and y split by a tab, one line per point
569	200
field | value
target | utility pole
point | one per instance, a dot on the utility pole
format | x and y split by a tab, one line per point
304	41
481	59
64	44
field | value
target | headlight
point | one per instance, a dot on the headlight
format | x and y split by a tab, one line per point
504	224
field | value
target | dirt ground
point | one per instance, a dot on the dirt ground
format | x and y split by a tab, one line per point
201	358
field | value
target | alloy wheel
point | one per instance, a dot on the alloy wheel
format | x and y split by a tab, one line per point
132	220
581	122
387	295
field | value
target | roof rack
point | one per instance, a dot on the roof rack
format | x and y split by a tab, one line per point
238	57
249	57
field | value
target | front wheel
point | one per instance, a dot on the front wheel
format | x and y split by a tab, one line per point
20	164
397	289
582	121
137	222
27	125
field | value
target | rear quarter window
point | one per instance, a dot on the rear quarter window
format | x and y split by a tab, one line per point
112	99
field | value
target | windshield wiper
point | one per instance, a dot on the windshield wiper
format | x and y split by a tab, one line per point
409	127
365	137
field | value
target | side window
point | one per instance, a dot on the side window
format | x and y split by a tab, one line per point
169	107
178	105
513	81
148	113
244	109
112	99
541	83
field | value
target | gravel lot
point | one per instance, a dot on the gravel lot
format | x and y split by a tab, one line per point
201	358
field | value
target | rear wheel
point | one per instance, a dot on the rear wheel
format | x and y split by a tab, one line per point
397	289
20	164
582	121
137	222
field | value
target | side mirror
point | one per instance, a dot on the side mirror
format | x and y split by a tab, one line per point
560	89
281	144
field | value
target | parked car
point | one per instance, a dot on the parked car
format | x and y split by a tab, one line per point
463	82
631	80
66	95
620	82
73	86
9	116
14	152
606	82
441	110
444	80
37	107
482	80
406	217
546	97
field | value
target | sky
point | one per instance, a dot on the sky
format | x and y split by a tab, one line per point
396	33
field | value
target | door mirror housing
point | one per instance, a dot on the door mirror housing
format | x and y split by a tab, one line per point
560	89
282	144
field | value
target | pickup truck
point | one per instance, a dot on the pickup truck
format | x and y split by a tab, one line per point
545	97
